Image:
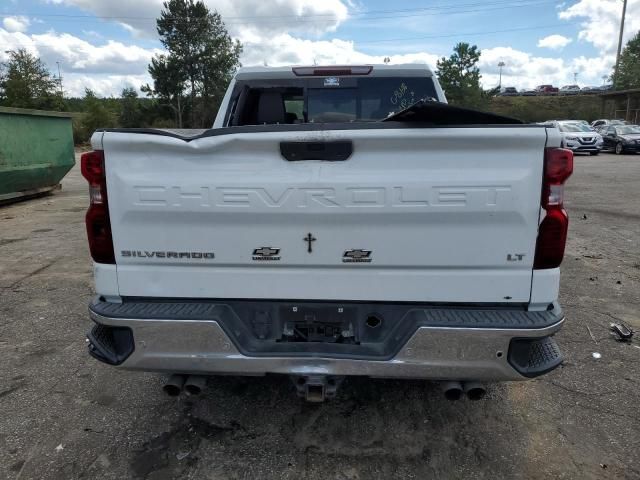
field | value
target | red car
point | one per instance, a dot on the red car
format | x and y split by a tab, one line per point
547	90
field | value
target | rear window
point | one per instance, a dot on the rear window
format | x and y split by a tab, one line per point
325	100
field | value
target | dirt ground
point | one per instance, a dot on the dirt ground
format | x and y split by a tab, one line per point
63	415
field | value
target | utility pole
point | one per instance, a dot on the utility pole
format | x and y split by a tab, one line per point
624	14
575	77
60	80
501	64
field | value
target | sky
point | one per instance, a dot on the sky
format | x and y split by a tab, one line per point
106	45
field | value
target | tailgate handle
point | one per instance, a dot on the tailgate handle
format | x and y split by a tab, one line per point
334	151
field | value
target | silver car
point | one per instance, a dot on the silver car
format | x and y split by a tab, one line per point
570	90
579	137
603	123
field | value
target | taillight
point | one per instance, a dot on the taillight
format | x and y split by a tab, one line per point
332	71
97	218
552	232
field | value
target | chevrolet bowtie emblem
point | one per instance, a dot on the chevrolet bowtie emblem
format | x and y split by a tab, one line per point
357	256
266	253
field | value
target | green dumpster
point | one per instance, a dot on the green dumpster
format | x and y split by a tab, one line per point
36	151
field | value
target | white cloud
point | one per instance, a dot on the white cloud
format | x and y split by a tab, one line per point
601	21
107	68
523	70
266	16
16	24
102	85
554	42
285	49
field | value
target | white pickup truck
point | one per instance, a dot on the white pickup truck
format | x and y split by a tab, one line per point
335	221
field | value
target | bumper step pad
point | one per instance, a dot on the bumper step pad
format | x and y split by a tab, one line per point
111	345
534	357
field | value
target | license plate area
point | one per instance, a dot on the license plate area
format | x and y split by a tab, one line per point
303	324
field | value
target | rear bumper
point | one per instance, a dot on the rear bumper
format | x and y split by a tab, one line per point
577	147
462	344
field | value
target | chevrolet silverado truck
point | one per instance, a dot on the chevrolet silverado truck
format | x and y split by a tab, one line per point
334	222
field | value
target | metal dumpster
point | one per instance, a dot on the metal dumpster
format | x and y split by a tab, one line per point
36	151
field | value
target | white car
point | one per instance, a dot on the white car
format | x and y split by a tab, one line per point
579	137
570	90
336	221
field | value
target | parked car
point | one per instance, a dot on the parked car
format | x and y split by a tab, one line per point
590	89
570	90
508	92
528	92
581	122
546	90
622	138
323	243
598	125
579	137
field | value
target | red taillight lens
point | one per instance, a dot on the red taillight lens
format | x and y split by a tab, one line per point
97	218
92	166
552	238
558	167
552	232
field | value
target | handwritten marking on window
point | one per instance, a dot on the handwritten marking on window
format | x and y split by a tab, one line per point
403	97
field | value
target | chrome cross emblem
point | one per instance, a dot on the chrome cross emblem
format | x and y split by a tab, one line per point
309	239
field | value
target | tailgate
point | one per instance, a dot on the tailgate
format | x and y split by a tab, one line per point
415	214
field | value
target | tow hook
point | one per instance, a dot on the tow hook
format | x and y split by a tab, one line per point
316	388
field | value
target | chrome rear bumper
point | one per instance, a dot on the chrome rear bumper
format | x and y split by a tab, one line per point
432	352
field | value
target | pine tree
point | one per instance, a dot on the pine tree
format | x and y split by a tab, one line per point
459	76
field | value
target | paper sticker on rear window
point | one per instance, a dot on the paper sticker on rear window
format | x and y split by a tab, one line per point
331	82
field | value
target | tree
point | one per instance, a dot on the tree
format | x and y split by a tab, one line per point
25	82
168	85
628	74
201	58
459	76
131	111
96	115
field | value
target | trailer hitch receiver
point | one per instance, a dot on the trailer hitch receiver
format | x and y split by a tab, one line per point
316	388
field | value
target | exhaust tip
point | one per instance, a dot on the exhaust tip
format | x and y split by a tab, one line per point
474	391
171	390
453	394
195	384
192	390
452	390
174	385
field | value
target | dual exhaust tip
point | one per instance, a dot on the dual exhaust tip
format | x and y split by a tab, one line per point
195	384
454	390
191	384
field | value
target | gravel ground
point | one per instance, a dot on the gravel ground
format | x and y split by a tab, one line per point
64	415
